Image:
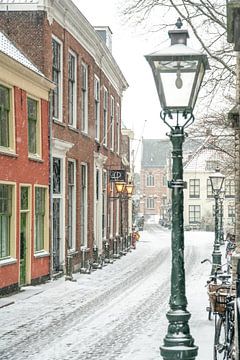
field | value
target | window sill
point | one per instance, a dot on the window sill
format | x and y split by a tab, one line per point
85	249
74	129
41	254
72	252
8	152
85	133
36	158
8	261
58	122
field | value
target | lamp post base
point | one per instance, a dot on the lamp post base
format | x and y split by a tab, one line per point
179	352
178	343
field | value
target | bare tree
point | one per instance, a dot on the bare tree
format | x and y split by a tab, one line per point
207	20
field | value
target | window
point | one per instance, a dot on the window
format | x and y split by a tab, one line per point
209	189
33	127
112	124
5	219
4	116
72	89
229	188
150	179
83	206
231	212
97	184
57	176
150	203
194	214
105	116
40	214
104	206
211	165
118	128
97	107
57	79
84	98
194	188
71	204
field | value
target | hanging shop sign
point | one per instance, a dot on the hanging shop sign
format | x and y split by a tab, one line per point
117	175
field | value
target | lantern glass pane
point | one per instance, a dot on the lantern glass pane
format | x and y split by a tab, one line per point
198	84
177	96
176	82
216	183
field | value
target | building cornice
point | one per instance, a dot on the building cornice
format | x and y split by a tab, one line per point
16	74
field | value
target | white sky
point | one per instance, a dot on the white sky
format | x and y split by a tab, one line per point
141	107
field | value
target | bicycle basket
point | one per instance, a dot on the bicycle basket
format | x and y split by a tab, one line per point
221	299
212	289
217	297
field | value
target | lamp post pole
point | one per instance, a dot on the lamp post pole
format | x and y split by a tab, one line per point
221	232
216	254
178	343
178	73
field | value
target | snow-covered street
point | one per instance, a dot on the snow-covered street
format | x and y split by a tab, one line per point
117	313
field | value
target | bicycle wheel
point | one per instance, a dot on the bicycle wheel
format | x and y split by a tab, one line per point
230	336
220	340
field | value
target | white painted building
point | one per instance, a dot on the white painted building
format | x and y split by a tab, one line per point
198	198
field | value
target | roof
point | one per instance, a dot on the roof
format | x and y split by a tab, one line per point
155	152
8	48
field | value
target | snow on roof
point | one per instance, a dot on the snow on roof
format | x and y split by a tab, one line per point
7	47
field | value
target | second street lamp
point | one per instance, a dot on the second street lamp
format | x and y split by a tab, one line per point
221	232
216	180
178	73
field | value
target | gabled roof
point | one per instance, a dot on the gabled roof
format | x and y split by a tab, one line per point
8	48
155	153
205	152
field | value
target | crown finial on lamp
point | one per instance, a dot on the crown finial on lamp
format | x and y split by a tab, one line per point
179	23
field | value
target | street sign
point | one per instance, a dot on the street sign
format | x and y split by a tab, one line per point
117	175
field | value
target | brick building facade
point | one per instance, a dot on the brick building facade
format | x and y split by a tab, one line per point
85	129
153	179
24	171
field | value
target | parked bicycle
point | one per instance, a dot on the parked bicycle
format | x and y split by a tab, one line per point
221	304
230	248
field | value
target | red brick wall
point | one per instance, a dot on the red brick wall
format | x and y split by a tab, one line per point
33	33
20	169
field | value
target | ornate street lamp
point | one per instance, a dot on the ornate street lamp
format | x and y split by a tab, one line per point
125	191
178	73
216	180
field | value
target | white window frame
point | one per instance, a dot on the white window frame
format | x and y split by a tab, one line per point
150	180
97	107
84	205
105	116
150	203
13	223
11	148
112	122
84	98
118	130
73	208
45	249
74	82
60	94
38	154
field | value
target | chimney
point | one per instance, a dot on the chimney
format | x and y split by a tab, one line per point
106	34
